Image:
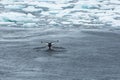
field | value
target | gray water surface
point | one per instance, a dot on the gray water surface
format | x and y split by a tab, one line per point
80	55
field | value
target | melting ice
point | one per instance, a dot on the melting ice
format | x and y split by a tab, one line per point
85	13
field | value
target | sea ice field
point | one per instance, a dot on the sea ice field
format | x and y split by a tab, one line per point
88	32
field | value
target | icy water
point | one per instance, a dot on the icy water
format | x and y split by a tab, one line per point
88	33
81	55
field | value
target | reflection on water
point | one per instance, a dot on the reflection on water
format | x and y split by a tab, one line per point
54	49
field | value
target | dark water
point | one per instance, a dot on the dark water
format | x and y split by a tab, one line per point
79	55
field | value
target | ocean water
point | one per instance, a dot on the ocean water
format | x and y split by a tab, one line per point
88	32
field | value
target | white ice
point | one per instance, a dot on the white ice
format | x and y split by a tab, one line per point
14	6
31	9
17	17
76	11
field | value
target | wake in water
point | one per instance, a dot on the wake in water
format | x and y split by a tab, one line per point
50	46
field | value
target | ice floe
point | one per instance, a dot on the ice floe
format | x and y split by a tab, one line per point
31	9
14	6
78	12
17	17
